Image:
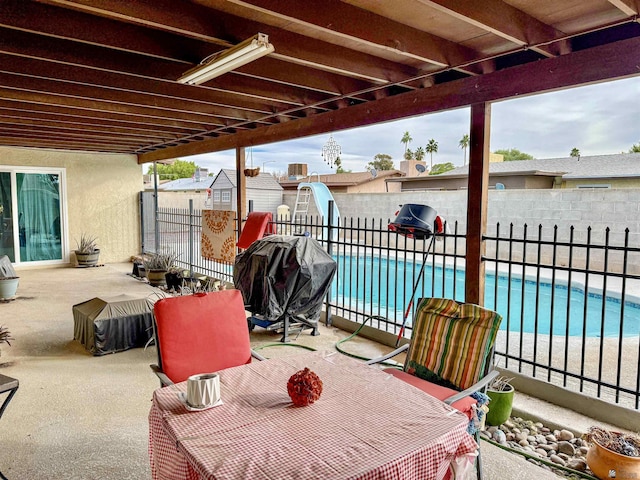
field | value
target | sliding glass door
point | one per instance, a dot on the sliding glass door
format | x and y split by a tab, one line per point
32	220
6	217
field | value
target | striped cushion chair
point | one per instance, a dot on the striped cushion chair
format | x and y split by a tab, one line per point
451	355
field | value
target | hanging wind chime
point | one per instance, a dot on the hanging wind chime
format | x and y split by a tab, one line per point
331	151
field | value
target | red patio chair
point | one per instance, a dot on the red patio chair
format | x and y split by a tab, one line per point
200	333
257	224
450	355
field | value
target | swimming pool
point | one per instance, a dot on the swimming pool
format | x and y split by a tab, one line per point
384	286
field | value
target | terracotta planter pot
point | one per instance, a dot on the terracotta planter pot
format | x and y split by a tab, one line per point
500	406
606	464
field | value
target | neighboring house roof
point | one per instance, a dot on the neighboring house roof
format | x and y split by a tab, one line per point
263	181
342	179
621	165
183	184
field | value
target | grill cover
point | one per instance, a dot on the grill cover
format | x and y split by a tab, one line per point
114	324
415	221
284	275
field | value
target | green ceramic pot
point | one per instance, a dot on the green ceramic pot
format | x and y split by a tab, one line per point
500	406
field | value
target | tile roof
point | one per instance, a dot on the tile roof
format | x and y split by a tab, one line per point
343	179
263	181
597	166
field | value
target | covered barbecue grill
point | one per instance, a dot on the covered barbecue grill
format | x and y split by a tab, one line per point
284	279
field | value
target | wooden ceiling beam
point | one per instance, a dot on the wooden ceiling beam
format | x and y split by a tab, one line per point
191	20
304	85
327	57
268	90
298	76
63	145
505	21
611	61
120	101
34	122
44	133
40	20
8	134
21	107
181	17
114	87
65	23
69	52
231	92
628	7
348	23
20	94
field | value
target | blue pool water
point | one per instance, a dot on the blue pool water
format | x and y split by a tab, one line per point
384	287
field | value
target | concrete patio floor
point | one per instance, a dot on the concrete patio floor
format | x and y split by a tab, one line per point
77	416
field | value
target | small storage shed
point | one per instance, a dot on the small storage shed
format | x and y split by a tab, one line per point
263	189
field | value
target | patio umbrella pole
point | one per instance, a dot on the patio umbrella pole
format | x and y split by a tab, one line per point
413	294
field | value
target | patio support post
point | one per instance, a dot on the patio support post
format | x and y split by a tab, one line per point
327	303
141	211
191	238
241	192
477	197
155	208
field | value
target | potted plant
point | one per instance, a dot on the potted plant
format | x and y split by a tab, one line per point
8	279
157	265
5	337
613	454
87	253
8	287
500	391
174	278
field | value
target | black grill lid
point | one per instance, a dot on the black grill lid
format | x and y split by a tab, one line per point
414	221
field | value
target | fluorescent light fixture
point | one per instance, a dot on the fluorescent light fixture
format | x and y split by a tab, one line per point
237	56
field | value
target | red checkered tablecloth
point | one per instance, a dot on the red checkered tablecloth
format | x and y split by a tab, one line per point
366	425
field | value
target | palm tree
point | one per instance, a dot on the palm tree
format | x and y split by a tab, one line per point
574	152
464	144
432	147
419	154
406	139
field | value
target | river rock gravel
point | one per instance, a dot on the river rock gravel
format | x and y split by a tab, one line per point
557	447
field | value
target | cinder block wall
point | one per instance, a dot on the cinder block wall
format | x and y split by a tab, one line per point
617	209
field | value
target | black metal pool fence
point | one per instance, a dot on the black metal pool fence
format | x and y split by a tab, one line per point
377	269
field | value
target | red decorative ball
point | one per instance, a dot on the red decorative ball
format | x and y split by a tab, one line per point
304	387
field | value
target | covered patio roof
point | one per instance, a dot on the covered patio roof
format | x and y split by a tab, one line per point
101	75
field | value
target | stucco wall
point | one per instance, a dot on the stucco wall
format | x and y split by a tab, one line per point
102	196
611	182
376	185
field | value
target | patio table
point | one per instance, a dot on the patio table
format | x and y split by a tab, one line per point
366	425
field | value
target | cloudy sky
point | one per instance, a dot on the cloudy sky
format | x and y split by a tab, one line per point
597	119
